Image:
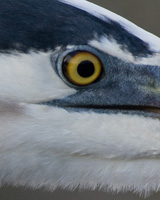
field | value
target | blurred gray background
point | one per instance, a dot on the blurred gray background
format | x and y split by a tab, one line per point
145	13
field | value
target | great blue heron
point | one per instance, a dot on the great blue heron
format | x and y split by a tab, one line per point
79	98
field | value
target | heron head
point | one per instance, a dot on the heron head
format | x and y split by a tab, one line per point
79	90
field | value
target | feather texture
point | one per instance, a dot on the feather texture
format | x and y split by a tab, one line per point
50	147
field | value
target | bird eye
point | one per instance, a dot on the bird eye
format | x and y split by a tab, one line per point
81	67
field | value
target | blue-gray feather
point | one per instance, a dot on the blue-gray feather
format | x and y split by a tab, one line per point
46	24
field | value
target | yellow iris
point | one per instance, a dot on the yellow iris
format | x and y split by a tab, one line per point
82	68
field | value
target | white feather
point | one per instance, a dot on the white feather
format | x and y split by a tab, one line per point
30	78
50	147
102	13
111	47
43	146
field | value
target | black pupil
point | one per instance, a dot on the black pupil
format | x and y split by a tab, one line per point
86	69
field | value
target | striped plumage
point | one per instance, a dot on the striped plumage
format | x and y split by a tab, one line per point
54	133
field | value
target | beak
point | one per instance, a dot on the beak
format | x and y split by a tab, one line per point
123	87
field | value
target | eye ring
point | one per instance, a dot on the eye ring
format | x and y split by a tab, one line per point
81	67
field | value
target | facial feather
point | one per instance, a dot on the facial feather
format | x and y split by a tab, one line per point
30	78
50	147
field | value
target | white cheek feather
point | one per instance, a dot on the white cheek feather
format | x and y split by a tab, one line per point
152	40
111	47
49	147
30	78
